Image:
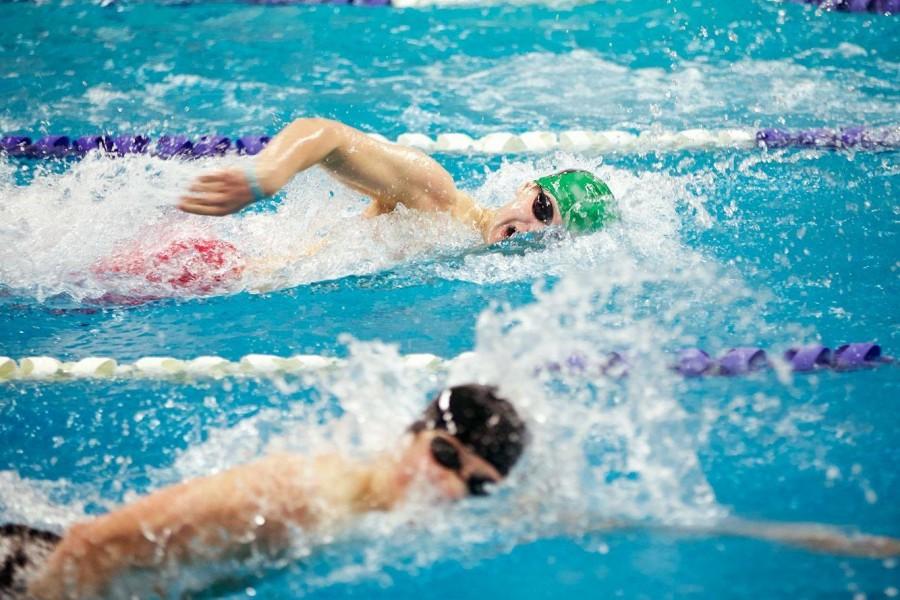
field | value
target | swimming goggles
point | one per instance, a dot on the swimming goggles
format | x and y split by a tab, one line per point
542	207
447	455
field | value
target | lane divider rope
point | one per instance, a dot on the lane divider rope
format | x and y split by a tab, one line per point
691	362
580	141
884	7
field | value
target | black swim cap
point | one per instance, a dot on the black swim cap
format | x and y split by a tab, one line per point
482	421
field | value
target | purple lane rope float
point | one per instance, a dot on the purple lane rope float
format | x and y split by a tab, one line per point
353	2
857	138
885	7
694	362
167	146
691	362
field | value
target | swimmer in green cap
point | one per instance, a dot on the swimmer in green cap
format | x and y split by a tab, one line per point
392	174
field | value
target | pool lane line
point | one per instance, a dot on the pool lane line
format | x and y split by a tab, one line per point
690	362
877	7
883	7
857	138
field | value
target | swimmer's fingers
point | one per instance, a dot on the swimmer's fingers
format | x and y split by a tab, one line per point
208	198
217	193
226	178
227	183
214	177
217	181
202	188
204	210
209	204
213	203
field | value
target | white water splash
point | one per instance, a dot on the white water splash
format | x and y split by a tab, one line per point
30	501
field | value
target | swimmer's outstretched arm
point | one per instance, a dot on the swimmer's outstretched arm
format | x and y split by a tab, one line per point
388	173
815	537
248	508
812	536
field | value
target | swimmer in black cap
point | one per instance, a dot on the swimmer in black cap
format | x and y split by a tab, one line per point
466	442
392	174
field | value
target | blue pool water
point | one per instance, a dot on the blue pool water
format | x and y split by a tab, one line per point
715	248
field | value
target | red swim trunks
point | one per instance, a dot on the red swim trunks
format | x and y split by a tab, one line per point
195	266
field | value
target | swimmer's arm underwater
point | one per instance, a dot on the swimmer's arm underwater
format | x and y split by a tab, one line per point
250	508
814	537
388	173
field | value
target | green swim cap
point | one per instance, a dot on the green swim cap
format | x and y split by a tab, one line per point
585	202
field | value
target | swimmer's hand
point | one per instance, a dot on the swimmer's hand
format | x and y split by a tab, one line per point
217	194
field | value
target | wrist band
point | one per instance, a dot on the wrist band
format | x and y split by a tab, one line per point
253	182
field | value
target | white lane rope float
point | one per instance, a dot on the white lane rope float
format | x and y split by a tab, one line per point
48	368
616	141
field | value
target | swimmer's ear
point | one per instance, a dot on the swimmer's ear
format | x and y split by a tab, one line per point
417	427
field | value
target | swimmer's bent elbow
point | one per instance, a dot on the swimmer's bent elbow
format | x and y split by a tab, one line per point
303	143
331	133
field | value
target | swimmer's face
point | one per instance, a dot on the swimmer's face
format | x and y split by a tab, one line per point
449	466
533	208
